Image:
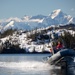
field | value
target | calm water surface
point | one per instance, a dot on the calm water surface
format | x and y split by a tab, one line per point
29	64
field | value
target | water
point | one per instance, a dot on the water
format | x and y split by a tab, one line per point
29	64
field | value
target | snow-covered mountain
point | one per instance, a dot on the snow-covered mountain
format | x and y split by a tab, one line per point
58	17
31	22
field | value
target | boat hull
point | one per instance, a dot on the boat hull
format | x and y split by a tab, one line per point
61	55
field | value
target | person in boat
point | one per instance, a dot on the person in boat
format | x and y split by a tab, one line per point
58	47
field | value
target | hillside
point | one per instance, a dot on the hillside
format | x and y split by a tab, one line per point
36	41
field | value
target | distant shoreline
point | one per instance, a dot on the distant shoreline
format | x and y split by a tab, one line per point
28	53
21	51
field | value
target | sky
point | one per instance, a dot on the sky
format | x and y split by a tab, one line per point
19	8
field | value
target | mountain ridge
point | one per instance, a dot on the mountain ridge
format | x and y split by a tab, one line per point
57	17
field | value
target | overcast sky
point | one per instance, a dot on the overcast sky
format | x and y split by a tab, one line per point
19	8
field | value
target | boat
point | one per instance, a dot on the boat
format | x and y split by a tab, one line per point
62	56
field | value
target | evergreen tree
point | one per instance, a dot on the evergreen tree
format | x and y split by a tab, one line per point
68	39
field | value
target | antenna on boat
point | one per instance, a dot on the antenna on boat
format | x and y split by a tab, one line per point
52	46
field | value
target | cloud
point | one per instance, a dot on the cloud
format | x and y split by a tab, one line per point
72	9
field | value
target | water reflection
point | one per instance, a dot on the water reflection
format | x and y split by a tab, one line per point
30	65
58	72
